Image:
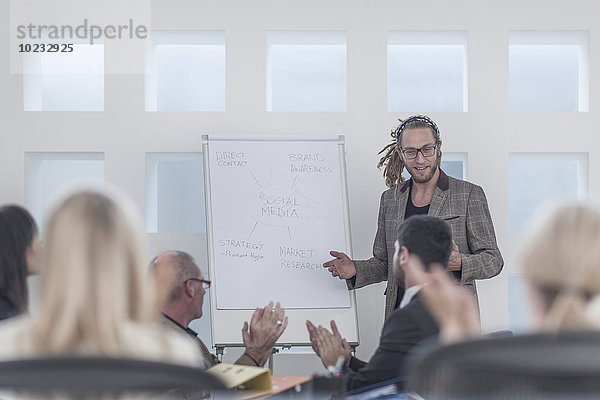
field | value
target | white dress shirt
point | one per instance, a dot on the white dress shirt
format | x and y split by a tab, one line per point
408	295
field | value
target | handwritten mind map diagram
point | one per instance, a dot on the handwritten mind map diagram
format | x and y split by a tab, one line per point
277	211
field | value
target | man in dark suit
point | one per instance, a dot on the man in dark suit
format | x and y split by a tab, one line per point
422	241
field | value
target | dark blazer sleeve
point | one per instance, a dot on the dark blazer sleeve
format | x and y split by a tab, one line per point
403	330
356	364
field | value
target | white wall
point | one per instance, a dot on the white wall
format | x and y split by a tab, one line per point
124	132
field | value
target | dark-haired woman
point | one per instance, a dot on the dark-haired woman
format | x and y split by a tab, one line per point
19	249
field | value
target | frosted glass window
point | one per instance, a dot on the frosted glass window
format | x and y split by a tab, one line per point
69	81
453	168
548	71
175	193
519	310
534	179
453	164
306	71
427	71
187	71
50	174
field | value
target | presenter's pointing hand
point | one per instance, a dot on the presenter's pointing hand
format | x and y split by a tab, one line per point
341	266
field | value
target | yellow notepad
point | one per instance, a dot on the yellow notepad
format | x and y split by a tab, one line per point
249	381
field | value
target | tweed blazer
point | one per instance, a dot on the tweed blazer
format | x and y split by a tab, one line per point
464	206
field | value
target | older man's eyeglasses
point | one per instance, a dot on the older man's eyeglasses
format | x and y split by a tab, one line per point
426	151
205	284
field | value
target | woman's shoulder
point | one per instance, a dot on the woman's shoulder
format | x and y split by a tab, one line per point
143	341
154	342
13	336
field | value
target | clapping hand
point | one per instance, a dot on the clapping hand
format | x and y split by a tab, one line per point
266	326
329	346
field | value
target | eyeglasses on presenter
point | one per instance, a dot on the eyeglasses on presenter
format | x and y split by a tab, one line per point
426	151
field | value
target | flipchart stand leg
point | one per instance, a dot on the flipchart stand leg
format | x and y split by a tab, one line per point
220	351
270	363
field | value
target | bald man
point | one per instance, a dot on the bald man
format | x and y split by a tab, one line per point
181	289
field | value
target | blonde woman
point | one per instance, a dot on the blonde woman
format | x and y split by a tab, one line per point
96	298
561	265
559	360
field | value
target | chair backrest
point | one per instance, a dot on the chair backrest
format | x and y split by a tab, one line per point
564	365
73	375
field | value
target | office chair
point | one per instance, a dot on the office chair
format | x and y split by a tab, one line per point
80	376
537	366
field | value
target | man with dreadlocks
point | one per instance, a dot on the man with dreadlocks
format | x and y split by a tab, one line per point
417	147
